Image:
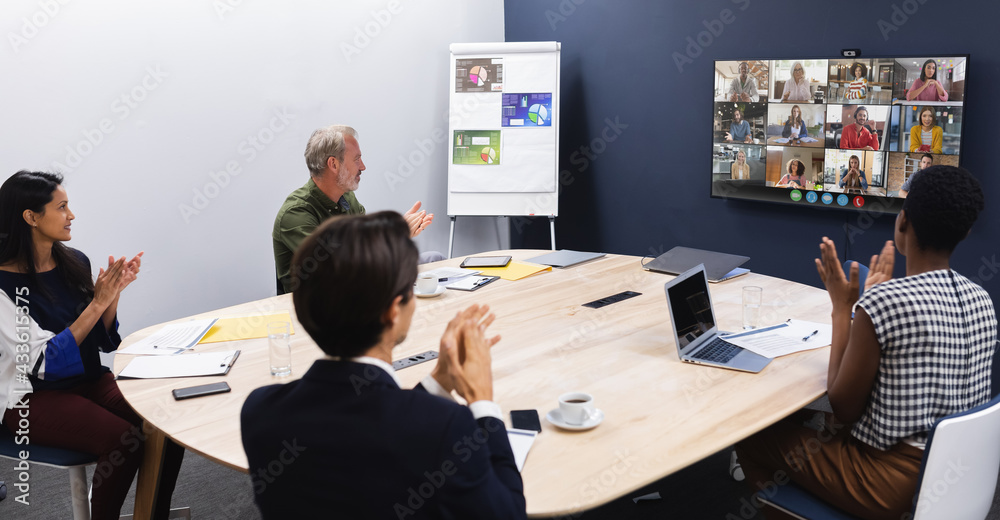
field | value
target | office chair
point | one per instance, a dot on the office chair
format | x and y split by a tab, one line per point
862	274
958	475
76	462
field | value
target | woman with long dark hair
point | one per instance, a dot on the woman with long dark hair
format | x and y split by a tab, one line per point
55	320
927	87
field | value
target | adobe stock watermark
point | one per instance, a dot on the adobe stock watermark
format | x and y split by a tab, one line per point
224	7
900	15
427	145
364	34
461	452
290	452
581	158
32	25
248	148
866	218
123	106
797	459
704	39
988	269
566	9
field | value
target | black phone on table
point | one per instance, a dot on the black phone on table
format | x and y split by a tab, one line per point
525	420
200	390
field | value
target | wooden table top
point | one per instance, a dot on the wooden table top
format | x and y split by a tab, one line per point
661	415
818	143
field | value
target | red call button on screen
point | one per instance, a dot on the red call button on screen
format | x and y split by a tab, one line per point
858	202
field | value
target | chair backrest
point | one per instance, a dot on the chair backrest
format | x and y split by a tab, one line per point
862	274
958	475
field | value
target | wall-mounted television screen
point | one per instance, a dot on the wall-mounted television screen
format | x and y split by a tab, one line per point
837	133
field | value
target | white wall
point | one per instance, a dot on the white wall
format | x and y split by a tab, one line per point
201	81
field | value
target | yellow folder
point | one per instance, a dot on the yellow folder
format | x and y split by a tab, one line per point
514	270
244	327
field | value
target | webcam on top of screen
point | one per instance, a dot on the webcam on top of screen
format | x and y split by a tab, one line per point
851	53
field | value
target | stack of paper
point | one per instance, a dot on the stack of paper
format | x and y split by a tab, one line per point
785	338
187	365
171	339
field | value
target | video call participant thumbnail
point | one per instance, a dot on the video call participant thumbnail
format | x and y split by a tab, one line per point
852	177
926	136
794	176
857	90
861	134
795	127
739	129
927	87
925	162
797	86
744	87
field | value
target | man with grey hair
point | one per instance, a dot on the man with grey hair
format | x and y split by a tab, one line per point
334	160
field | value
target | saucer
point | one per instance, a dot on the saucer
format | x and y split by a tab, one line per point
555	417
438	292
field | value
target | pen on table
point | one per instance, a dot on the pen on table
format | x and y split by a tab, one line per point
815	332
232	360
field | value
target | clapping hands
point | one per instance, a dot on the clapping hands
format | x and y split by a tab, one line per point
417	220
843	289
464	363
111	281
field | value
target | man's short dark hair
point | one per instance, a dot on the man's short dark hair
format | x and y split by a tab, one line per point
942	204
345	276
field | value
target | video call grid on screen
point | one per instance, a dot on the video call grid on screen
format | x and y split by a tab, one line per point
806	131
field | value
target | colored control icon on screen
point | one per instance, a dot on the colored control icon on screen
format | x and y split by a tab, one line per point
811	197
858	202
796	195
842	199
827	198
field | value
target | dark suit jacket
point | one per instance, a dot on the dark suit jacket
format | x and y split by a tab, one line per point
346	442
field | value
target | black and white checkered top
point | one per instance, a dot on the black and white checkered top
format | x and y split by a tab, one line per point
937	331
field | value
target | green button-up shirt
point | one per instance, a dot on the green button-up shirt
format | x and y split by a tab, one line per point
303	211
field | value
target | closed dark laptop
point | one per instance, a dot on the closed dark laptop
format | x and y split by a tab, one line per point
680	259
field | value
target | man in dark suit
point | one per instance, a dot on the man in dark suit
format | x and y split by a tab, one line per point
346	441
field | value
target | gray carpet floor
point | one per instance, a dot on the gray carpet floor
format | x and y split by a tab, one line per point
701	491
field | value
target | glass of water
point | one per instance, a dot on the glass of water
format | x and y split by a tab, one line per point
279	348
752	297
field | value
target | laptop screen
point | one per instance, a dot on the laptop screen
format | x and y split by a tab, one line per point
691	308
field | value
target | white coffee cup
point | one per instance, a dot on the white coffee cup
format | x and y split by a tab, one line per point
426	283
576	407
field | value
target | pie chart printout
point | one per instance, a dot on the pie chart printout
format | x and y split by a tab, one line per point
526	110
476	147
479	75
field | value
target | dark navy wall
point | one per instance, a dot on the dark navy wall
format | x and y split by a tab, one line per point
636	129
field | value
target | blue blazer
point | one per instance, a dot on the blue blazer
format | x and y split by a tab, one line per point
787	131
346	442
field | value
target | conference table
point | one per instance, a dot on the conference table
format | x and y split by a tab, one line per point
660	415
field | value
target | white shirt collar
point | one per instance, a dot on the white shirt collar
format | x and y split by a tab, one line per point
371	361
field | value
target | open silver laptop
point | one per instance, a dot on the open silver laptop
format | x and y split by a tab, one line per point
696	333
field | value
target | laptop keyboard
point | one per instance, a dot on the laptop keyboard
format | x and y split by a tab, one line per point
718	351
